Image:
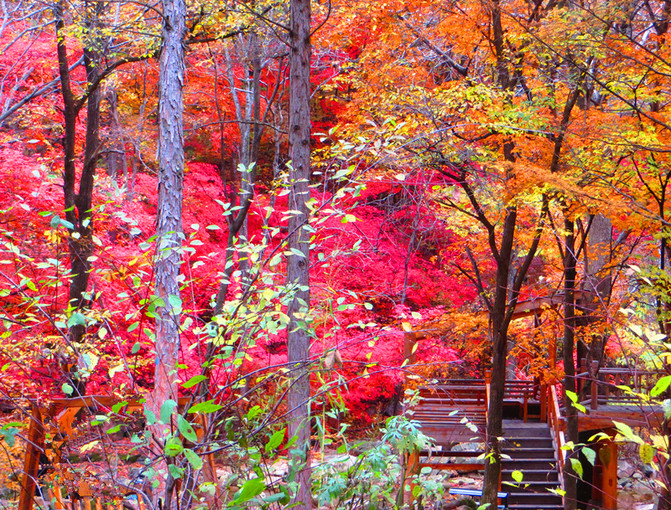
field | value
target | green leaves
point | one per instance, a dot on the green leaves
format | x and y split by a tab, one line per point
661	386
196	379
275	440
76	319
250	489
193	459
573	397
186	429
9	433
589	454
576	466
207	407
166	411
57	221
627	433
173	446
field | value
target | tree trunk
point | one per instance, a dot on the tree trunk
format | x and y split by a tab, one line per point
298	262
570	262
78	204
499	329
169	220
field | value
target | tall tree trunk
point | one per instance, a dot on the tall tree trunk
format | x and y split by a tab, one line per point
298	262
570	262
169	220
499	329
78	203
497	313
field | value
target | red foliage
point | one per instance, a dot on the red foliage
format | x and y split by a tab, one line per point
378	257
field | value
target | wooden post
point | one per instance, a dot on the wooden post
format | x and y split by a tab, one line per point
31	464
409	348
411	468
553	354
594	387
209	467
488	384
604	488
608	456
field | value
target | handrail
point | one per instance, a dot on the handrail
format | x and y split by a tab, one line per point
488	390
607	383
555	419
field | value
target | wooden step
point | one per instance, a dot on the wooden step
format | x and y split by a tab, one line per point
521	431
527	486
529	453
535	507
446	411
524	464
528	442
541	500
532	475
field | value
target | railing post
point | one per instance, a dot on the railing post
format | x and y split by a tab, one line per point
488	386
31	465
594	386
412	468
609	475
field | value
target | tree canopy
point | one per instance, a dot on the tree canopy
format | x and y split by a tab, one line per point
233	202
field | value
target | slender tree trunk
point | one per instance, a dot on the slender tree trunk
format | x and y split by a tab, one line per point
570	262
169	220
78	203
499	328
81	215
298	263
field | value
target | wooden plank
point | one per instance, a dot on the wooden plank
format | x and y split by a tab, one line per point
31	465
457	466
450	453
609	480
56	494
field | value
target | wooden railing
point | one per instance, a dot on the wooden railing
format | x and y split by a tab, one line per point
522	391
607	384
54	493
488	392
56	420
555	420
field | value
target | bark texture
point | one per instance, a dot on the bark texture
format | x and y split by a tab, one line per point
299	244
78	202
169	219
499	334
570	263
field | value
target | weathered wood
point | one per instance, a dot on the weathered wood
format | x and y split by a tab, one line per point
298	243
609	475
34	449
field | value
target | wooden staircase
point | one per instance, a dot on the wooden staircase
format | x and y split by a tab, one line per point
530	449
455	411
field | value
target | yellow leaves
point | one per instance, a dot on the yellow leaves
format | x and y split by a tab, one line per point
53	236
646	453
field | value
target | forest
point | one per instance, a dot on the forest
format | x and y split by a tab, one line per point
243	234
